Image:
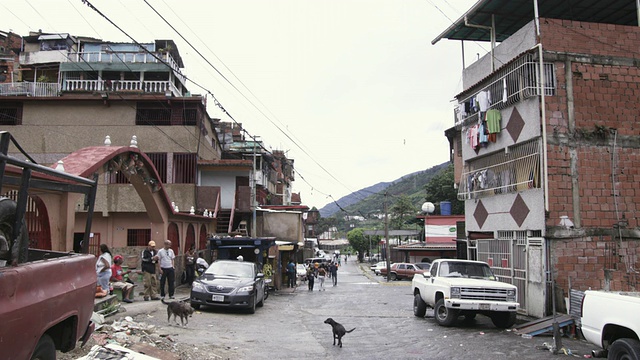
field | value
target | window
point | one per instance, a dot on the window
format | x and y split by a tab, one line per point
161	114
138	237
157	115
190	116
11	114
515	82
159	161
184	168
502	172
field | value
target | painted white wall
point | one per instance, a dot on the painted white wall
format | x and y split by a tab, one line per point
227	183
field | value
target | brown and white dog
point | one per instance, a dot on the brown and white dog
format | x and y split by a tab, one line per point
338	330
178	308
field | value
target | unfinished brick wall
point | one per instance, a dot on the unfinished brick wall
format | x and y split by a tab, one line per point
596	262
602	141
589	38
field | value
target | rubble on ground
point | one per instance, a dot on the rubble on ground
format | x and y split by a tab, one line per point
134	340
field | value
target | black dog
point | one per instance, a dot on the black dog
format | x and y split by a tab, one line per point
338	331
178	308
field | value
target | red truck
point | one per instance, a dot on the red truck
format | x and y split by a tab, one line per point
46	297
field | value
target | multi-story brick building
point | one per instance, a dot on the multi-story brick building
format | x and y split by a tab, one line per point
547	161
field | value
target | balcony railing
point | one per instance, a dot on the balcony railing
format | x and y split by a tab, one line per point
502	172
112	57
38	89
121	86
511	84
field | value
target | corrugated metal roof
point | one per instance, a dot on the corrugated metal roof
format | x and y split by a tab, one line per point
511	15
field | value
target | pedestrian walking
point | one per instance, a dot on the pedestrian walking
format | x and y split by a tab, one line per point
166	258
333	270
149	264
322	272
312	274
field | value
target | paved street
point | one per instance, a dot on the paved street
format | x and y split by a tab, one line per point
290	325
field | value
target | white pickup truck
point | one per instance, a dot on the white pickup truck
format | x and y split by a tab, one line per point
611	320
455	288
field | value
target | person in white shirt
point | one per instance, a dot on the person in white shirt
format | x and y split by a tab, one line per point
166	258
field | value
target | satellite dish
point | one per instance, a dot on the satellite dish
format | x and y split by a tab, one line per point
428	207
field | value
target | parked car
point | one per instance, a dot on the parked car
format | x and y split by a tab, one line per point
230	283
301	272
378	266
401	271
318	260
423	265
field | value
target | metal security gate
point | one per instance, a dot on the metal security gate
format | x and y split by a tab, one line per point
507	257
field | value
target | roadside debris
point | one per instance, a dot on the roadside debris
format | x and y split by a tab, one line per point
126	339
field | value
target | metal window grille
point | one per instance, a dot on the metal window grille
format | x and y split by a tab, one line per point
184	168
155	114
11	114
159	161
138	237
502	172
511	84
190	116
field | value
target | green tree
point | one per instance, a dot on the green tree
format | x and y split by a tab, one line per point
440	188
402	208
358	242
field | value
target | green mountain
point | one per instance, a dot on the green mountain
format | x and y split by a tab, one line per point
369	201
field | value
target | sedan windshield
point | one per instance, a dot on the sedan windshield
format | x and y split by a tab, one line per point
231	269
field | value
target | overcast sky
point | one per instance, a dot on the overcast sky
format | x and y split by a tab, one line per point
352	90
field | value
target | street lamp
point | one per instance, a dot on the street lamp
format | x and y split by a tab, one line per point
427	208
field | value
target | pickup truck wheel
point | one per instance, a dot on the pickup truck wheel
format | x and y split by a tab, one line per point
393	276
624	349
503	319
45	349
443	315
419	306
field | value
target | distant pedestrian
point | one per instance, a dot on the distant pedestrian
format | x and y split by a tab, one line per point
333	270
166	258
322	272
149	264
190	265
291	273
312	274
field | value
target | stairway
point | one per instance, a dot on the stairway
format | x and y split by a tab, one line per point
224	217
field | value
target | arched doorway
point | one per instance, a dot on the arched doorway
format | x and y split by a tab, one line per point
202	244
174	235
190	240
37	221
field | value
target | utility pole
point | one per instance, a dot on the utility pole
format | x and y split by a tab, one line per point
386	237
253	192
